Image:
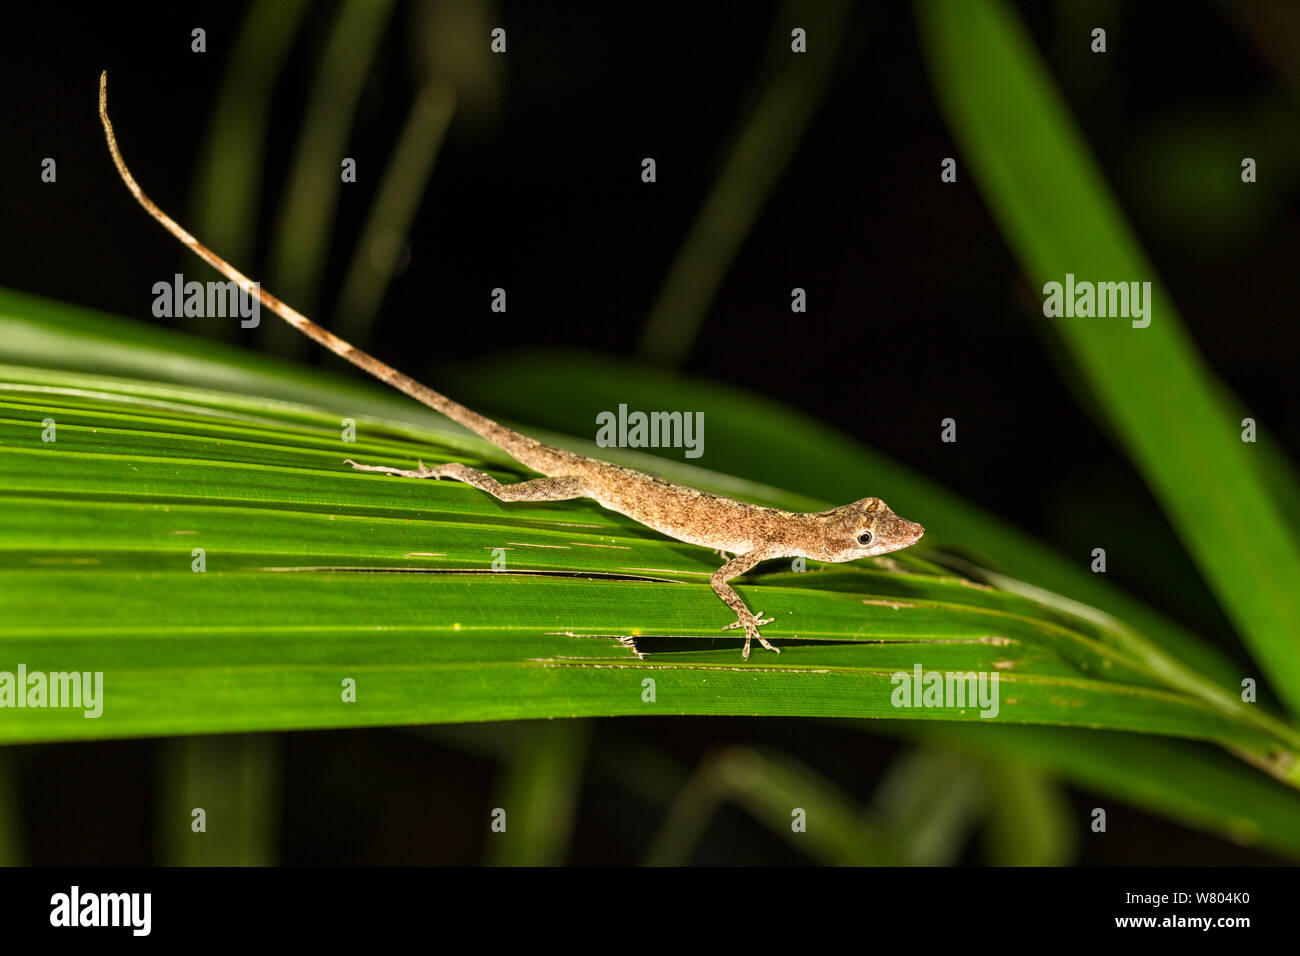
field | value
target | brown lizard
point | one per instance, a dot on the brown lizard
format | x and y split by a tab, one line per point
752	533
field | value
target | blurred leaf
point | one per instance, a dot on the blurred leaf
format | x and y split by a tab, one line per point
543	778
1193	784
781	793
928	802
1039	179
228	185
785	98
1030	820
388	223
448	39
304	223
235	781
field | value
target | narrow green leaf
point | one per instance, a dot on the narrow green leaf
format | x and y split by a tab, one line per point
228	184
218	799
796	803
1030	820
928	802
539	795
785	97
305	217
1043	186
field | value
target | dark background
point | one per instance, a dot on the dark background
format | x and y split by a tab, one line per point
917	310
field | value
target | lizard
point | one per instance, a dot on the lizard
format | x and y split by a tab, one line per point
752	533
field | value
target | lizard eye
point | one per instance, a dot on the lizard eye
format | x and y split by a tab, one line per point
865	538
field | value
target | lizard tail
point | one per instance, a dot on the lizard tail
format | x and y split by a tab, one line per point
531	452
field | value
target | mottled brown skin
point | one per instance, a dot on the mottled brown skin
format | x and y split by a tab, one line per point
753	533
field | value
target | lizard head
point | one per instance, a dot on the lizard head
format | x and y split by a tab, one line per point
865	528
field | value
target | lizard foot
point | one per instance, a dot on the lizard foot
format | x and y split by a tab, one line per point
751	625
422	472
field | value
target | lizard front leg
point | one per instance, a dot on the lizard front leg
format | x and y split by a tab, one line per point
563	488
744	617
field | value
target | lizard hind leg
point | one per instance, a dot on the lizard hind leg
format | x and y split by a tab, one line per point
751	632
744	616
561	488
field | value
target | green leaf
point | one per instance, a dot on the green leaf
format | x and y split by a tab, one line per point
235	781
1030	820
539	794
241	648
316	575
783	99
1184	781
928	802
96	550
1052	204
784	795
766	442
